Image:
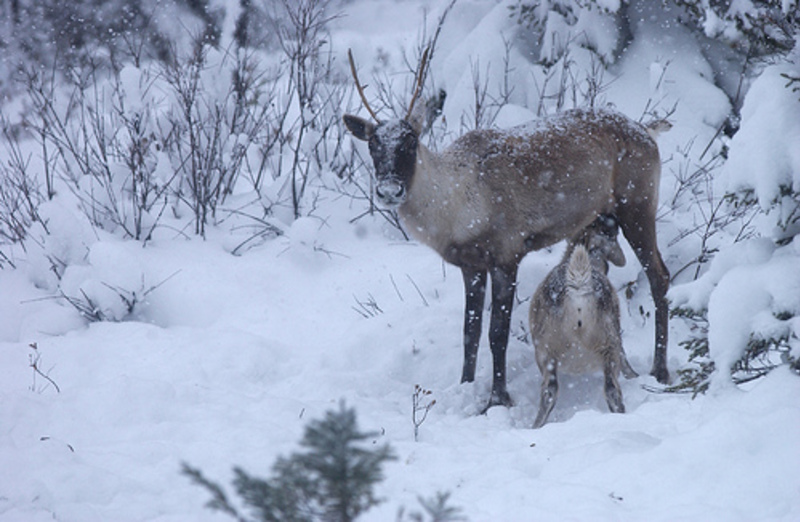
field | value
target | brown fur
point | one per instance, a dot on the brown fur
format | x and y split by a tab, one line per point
493	196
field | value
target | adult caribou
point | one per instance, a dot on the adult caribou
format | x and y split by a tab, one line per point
492	196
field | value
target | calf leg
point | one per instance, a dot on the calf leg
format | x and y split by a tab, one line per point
627	369
475	290
548	394
612	389
504	281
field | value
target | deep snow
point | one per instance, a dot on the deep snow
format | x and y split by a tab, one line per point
249	348
230	356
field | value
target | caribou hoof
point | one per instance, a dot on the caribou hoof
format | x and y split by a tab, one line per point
498	399
661	374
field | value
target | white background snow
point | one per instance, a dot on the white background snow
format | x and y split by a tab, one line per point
230	356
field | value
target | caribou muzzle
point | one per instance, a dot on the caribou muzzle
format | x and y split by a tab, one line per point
391	193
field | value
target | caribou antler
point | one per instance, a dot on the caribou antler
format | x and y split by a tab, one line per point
359	87
419	81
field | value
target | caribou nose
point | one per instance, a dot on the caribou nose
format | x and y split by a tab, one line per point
391	192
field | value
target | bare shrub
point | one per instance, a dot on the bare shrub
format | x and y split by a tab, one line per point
20	194
209	138
305	42
713	215
102	149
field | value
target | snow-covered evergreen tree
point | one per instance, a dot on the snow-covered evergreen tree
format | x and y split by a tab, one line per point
748	300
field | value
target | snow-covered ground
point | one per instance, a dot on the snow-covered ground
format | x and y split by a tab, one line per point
230	356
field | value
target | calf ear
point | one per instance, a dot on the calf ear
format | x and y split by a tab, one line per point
361	128
616	255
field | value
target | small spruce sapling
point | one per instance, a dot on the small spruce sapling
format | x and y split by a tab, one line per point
331	480
438	509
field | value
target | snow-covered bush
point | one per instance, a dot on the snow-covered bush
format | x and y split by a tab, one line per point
746	307
763	167
556	25
757	27
187	133
100	140
147	147
572	43
56	36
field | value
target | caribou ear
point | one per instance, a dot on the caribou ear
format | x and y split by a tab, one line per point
361	128
417	120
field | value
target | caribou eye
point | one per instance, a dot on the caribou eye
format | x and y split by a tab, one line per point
374	147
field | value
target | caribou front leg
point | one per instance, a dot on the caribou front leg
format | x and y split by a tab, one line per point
475	290
504	282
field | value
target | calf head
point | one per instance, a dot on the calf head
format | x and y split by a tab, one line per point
600	240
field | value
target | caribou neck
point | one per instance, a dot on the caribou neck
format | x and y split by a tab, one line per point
441	208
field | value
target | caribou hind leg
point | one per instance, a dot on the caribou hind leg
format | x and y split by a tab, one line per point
658	277
659	281
639	229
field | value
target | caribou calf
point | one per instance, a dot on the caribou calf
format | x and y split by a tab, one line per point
574	318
